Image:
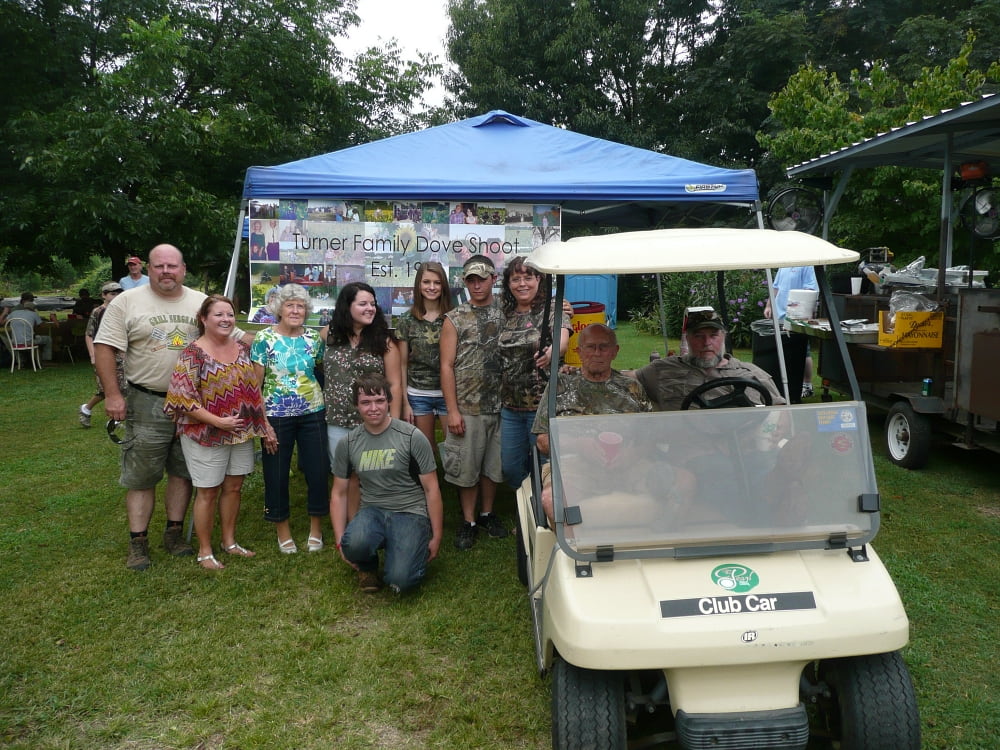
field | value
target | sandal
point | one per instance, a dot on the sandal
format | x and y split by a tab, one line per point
287	547
236	549
315	544
213	564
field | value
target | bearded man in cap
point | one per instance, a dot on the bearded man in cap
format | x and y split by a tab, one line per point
670	379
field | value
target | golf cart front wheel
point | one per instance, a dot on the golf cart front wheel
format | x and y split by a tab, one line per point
907	436
588	708
871	704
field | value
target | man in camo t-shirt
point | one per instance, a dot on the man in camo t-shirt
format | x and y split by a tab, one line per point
470	382
595	389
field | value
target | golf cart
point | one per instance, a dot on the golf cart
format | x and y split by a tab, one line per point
708	580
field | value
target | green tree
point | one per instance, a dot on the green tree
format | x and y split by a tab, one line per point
817	113
156	109
689	77
597	66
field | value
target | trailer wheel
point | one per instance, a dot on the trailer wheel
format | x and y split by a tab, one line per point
871	705
588	708
907	436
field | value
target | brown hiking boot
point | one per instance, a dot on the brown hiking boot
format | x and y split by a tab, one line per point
368	581
173	542
138	553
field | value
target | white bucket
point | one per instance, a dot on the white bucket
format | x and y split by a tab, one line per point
801	304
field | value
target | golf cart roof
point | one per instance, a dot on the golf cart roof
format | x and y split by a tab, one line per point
673	250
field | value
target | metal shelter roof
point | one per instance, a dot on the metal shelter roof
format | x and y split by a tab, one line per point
974	130
969	132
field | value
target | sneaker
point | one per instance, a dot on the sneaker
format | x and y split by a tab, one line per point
807	390
138	553
84	417
466	535
368	581
173	542
493	525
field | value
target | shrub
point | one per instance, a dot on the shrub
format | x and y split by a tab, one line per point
744	291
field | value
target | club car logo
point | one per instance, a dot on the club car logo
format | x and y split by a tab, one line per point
735	578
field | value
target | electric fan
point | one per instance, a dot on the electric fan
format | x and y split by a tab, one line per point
795	208
981	213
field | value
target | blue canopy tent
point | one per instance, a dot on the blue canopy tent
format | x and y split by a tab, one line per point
498	156
501	157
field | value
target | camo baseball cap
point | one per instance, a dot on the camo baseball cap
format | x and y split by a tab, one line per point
477	267
705	319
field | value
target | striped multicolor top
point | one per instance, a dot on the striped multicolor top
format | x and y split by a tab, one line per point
222	388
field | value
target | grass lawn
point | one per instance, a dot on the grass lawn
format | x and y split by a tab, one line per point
284	652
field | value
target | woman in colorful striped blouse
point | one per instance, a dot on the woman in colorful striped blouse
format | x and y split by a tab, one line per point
215	398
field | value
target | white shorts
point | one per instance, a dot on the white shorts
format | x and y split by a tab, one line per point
208	467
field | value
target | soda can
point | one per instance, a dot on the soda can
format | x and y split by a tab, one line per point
925	387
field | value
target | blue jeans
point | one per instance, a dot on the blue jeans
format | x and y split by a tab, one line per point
517	442
308	431
403	536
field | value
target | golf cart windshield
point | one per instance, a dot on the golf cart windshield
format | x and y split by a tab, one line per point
706	481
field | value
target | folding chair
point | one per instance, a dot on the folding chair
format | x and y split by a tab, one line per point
20	335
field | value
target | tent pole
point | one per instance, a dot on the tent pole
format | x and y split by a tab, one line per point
663	316
234	261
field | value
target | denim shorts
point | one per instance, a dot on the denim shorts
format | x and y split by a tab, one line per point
334	434
424	405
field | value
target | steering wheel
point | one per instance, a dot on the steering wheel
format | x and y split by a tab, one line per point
736	397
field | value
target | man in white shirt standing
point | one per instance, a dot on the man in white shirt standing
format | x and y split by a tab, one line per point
135	276
150	326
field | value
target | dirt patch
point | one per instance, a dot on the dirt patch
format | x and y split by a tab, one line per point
992	511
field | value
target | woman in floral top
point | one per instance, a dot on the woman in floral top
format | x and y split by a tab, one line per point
524	367
285	358
215	399
418	332
358	341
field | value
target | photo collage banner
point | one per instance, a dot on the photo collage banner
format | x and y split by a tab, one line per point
324	244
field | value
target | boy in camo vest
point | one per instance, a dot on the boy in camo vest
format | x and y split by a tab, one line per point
470	382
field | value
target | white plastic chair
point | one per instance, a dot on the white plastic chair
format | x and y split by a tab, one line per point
20	336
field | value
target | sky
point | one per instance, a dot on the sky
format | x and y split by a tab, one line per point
418	26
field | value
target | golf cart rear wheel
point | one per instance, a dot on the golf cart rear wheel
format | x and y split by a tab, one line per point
907	436
588	708
872	705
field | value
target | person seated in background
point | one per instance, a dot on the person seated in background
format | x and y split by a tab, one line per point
668	380
26	311
85	304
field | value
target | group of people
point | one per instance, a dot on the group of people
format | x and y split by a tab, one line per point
356	400
662	385
84	306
